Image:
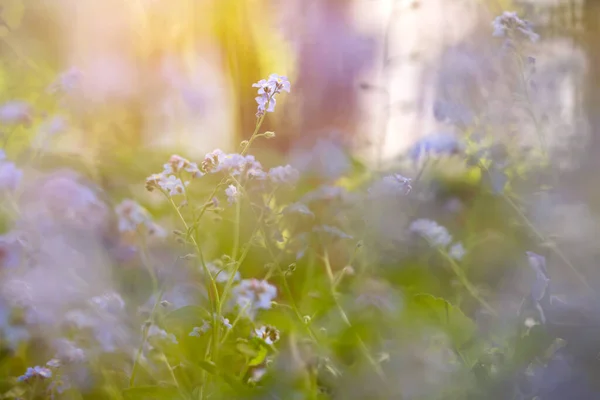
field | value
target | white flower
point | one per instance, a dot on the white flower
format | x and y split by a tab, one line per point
284	175
172	185
435	234
267	89
395	184
253	295
232	194
221	275
111	302
267	333
457	251
177	164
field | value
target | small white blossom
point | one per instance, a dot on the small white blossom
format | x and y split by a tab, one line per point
395	184
267	333
267	89
172	185
253	295
435	234
220	274
198	331
111	302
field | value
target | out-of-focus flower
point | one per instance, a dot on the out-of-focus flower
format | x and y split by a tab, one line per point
10	176
67	352
435	234
232	194
67	82
220	274
510	22
436	144
132	216
156	332
394	184
172	185
10	250
298	208
268	333
234	164
252	295
326	159
457	251
111	302
15	112
35	372
284	175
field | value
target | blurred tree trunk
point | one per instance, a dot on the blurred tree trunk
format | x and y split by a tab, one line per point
591	44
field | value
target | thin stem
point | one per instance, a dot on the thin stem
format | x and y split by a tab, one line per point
344	316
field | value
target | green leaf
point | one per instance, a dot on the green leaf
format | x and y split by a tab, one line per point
441	313
208	366
152	393
260	357
187	315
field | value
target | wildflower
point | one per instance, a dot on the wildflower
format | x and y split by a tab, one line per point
284	175
156	332
67	352
267	333
54	363
391	185
232	194
436	144
457	251
435	234
10	176
15	112
35	372
172	185
131	216
220	274
177	164
198	331
111	302
267	89
510	22
253	295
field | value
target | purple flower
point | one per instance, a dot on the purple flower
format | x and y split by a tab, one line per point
35	372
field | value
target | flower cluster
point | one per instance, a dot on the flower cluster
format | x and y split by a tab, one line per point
510	22
437	236
284	175
169	180
252	295
35	372
234	164
267	89
133	216
198	331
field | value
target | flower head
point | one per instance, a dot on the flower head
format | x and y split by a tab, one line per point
35	372
435	234
267	89
510	22
268	333
252	295
232	194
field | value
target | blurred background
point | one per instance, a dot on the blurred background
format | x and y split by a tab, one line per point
374	75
